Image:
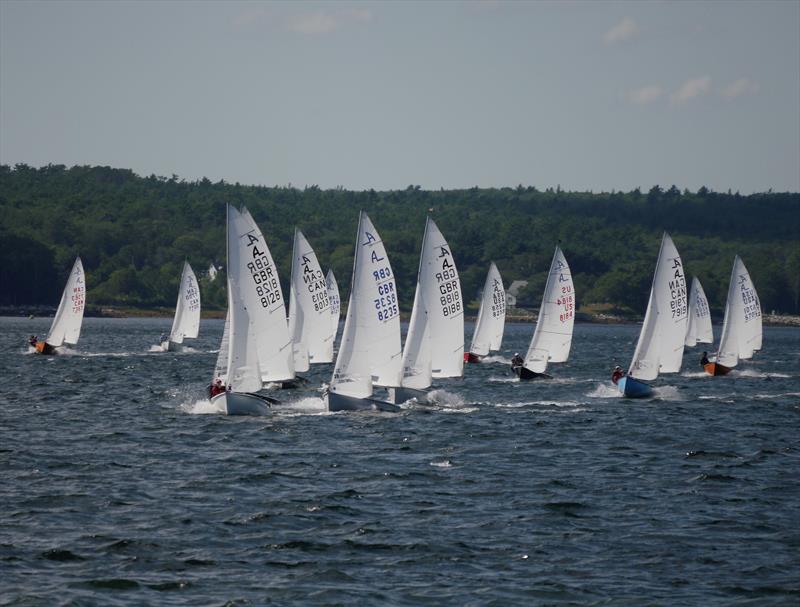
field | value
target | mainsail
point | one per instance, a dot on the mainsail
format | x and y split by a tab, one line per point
370	351
66	327
698	328
335	308
186	323
491	321
552	337
435	341
660	345
741	329
309	308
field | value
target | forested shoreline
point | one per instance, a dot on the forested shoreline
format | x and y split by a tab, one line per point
133	234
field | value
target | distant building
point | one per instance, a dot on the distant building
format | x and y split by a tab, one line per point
513	291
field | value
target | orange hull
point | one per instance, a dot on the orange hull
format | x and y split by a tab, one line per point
42	347
716	369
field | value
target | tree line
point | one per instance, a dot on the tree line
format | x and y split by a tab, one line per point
133	234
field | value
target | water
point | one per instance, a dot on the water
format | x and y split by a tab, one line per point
117	489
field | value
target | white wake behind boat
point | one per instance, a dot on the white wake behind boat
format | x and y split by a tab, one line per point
309	308
435	340
186	324
370	353
66	326
552	338
489	327
336	310
255	341
661	340
698	329
741	329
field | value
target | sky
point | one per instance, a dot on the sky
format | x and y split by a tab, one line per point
589	96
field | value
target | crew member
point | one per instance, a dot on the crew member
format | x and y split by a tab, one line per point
216	388
704	359
517	361
617	374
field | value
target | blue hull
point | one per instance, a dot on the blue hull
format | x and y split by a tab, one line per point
633	388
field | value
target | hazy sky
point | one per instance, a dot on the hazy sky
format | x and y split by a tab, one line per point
588	95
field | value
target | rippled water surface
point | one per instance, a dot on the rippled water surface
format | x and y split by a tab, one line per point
117	486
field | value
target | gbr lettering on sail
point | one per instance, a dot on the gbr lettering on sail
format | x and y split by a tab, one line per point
386	301
262	273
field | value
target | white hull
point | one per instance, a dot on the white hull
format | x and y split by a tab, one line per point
240	403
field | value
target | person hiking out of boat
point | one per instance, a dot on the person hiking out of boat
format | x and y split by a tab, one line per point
617	374
33	340
704	359
164	337
216	388
517	361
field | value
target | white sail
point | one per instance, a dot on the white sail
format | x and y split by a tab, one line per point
221	368
370	350
263	298
552	337
660	346
335	309
309	310
66	327
741	329
243	373
491	321
699	328
435	341
187	311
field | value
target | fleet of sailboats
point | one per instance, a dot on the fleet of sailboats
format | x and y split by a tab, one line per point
261	346
489	326
186	324
741	328
552	337
661	340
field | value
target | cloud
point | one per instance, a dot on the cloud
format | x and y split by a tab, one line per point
251	17
644	95
622	31
322	22
694	87
742	86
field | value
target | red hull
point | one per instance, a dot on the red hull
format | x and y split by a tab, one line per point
469	357
716	369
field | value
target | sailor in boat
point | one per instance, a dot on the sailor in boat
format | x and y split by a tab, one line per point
704	360
217	387
517	361
617	374
33	340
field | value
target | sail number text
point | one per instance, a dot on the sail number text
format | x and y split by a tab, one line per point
264	277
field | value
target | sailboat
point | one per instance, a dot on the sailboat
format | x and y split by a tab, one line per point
698	328
741	328
435	341
309	308
660	345
552	337
66	327
491	321
186	324
336	310
370	352
255	341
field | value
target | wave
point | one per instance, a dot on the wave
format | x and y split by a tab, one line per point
604	390
496	358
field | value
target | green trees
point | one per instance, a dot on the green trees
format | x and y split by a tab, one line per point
134	233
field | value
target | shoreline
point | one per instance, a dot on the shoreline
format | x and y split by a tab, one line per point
520	316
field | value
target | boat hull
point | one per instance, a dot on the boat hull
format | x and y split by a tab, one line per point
42	347
341	402
526	374
469	357
633	388
401	395
716	369
242	403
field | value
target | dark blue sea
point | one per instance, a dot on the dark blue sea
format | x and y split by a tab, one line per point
118	487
